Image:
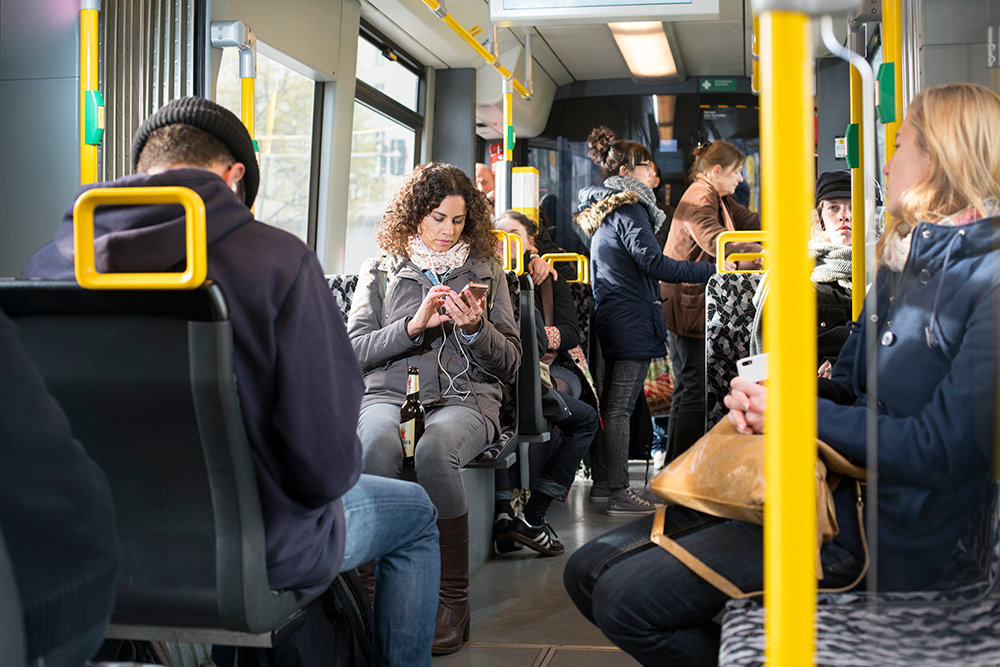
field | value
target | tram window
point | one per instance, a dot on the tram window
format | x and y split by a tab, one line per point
387	75
382	153
283	125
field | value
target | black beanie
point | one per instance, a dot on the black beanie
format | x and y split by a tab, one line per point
833	185
209	117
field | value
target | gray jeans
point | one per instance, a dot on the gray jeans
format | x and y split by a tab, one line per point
623	382
453	436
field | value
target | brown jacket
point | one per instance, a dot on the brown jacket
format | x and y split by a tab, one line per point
700	217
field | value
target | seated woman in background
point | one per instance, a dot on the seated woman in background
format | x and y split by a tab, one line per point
411	309
831	247
937	387
558	346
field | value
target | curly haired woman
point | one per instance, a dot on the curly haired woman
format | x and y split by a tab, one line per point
408	311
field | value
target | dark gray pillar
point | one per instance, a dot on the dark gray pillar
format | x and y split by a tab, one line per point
455	118
833	102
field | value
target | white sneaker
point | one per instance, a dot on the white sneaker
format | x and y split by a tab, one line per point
659	458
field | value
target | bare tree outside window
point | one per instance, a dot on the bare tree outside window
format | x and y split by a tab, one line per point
283	123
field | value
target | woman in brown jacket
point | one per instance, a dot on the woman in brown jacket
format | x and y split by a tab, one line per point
706	210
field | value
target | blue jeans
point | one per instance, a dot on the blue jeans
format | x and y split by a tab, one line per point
394	523
687	407
576	432
655	608
621	389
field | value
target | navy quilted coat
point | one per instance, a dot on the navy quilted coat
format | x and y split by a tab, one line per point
936	357
626	267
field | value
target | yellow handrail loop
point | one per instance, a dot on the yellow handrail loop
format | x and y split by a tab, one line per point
195	238
582	264
745	236
511	261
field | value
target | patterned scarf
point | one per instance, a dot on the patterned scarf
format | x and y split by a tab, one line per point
833	263
897	248
623	183
438	262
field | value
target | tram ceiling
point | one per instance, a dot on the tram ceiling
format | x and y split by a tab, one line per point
566	53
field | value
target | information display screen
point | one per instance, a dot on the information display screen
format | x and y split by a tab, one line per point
574	12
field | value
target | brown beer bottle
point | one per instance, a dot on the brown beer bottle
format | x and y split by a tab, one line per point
411	416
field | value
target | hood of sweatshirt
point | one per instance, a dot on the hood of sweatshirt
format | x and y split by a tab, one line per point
151	237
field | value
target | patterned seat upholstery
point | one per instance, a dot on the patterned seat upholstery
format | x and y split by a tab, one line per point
956	626
583	299
342	286
728	319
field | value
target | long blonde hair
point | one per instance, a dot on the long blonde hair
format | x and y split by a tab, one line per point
958	127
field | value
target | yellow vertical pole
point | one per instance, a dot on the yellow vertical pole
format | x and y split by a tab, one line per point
787	182
508	122
247	103
88	81
892	52
247	108
858	201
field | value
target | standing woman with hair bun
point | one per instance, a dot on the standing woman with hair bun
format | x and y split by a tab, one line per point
705	211
621	218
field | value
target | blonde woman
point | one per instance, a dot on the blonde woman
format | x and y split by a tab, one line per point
937	388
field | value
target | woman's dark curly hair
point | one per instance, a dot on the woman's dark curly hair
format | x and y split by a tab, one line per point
421	192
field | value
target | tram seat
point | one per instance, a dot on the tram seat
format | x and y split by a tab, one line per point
953	626
728	320
146	379
533	430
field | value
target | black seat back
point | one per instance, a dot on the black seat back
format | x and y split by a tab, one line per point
146	379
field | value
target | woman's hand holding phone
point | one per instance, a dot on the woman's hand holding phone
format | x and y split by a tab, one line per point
467	311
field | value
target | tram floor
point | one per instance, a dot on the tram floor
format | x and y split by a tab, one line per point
521	613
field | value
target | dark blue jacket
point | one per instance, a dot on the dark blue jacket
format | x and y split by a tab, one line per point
299	382
55	509
626	265
937	364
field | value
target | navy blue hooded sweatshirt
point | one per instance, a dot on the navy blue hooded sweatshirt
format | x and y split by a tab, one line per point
299	382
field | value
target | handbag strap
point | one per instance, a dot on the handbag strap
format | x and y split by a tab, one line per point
698	566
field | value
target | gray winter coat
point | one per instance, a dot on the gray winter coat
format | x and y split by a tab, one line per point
378	333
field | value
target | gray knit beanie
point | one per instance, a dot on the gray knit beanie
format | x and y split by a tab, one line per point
209	117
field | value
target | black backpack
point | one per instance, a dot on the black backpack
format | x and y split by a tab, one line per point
338	631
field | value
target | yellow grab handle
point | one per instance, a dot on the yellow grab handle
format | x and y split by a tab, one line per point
744	236
195	238
505	238
582	264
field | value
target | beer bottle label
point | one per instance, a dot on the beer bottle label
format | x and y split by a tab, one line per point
408	433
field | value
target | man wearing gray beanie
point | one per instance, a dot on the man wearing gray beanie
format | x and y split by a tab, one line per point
299	382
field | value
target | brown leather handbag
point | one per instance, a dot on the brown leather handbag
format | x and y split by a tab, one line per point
723	475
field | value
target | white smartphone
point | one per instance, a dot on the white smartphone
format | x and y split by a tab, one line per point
753	368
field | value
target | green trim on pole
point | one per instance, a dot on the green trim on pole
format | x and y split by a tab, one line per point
93	115
885	92
853	146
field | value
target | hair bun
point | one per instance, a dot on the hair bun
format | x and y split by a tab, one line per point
600	141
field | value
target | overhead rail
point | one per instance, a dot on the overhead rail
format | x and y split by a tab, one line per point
195	243
91	100
864	171
437	6
582	264
744	236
